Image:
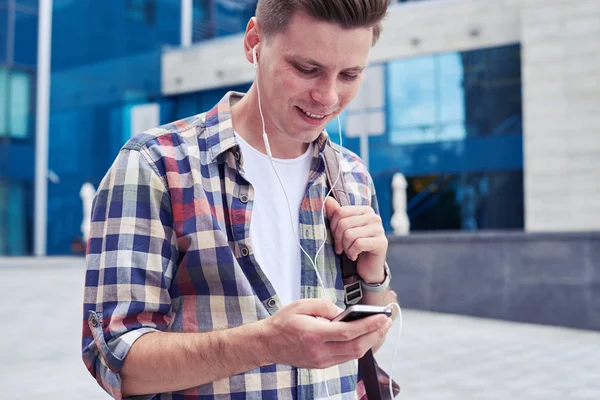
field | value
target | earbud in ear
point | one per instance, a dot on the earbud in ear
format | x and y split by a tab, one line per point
254	59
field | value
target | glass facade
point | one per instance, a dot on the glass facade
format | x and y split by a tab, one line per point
16	103
466	201
427	99
453	121
216	18
15	218
18	58
98	76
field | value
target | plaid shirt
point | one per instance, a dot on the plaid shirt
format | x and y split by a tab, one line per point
169	250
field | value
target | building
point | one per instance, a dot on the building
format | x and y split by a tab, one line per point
488	107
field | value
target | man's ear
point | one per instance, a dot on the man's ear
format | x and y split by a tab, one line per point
251	38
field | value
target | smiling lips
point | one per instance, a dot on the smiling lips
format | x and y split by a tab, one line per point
311	115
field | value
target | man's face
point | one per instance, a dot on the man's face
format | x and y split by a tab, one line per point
308	74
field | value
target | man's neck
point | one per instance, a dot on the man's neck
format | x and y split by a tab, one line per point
247	123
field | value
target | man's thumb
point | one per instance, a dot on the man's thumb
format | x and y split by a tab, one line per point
331	206
318	308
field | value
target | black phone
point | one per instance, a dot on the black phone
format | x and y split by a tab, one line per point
358	311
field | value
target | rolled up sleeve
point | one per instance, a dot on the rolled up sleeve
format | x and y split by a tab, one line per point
131	256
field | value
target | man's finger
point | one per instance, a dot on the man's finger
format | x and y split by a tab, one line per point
346	331
363	245
355	348
345	225
348	212
351	236
316	308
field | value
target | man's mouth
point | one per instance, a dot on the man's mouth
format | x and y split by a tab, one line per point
311	115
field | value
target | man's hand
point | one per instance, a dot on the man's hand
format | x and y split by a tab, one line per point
358	232
296	337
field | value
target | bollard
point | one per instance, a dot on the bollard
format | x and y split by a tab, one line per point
399	221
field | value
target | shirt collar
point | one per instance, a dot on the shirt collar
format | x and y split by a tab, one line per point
219	125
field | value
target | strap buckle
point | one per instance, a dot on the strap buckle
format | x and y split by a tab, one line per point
353	292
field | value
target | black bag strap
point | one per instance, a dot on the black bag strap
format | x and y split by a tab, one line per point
352	287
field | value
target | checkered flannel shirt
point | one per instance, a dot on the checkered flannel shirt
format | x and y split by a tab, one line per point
169	250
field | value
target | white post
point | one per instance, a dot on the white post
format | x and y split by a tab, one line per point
400	221
186	23
41	126
86	193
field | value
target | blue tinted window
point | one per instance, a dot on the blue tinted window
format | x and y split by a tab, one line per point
26	30
467	201
3	31
202	26
28	3
412	89
4	84
15	103
451	96
212	18
20	104
426	99
17	220
231	16
141	11
13	214
492	85
451	106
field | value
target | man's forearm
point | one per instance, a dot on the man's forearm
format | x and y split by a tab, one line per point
164	362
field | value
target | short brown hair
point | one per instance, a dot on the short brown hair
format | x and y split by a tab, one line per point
275	15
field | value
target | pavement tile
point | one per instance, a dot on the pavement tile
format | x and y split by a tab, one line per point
440	356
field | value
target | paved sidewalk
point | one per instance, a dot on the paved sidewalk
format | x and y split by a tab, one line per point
440	356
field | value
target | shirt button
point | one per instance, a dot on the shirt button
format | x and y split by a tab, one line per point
271	303
244	199
245	251
237	155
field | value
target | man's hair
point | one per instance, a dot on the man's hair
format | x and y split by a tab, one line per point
275	15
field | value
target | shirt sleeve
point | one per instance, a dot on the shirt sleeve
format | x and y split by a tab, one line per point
373	200
131	256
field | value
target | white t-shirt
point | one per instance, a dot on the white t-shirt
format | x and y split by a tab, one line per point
271	231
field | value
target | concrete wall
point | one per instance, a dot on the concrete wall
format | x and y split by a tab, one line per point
539	278
561	87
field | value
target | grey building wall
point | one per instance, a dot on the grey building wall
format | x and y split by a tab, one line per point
540	278
560	42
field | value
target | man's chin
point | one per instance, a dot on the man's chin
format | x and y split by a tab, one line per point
308	136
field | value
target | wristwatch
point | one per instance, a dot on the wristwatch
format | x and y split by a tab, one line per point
378	287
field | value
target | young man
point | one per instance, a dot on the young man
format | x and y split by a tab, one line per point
196	285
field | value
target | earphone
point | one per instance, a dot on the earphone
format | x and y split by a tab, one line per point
314	262
254	60
265	138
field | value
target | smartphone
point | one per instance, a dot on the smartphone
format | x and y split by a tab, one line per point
358	311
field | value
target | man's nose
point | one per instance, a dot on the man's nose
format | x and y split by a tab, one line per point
325	93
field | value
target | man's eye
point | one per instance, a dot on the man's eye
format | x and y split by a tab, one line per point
305	71
349	77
